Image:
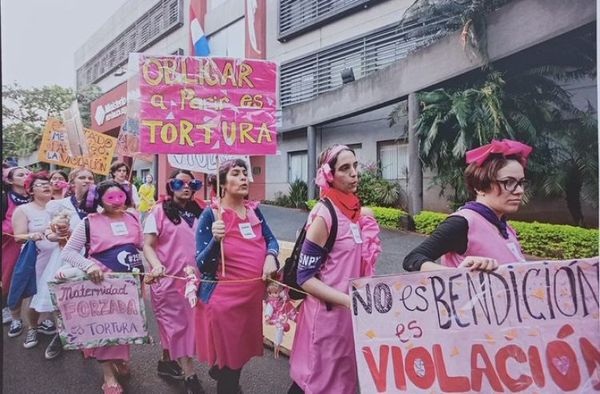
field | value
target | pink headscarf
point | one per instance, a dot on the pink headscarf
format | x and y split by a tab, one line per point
504	147
325	172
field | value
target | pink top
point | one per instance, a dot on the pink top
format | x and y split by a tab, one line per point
323	358
173	246
105	233
484	239
7	222
229	325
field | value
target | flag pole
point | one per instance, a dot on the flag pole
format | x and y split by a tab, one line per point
220	215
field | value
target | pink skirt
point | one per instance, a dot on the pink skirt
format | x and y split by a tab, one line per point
108	353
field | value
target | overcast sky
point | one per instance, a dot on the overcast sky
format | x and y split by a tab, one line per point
40	37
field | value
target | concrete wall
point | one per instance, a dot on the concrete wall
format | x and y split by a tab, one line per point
515	27
356	24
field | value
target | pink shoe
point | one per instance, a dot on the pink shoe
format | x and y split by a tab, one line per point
117	389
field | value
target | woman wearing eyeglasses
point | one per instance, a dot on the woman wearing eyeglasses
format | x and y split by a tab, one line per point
477	236
30	221
168	230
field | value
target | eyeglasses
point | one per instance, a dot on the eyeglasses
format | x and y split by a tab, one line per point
44	184
177	184
511	184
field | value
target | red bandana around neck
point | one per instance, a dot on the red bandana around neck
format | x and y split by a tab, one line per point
348	203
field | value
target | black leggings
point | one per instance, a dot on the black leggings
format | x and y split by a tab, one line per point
295	389
229	381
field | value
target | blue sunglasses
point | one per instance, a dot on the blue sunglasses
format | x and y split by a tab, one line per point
177	184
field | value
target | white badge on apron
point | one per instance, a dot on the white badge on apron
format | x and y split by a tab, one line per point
119	228
246	231
355	233
514	249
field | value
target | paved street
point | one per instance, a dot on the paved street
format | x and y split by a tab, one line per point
26	371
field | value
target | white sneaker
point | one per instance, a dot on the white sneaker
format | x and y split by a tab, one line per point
6	316
16	328
30	339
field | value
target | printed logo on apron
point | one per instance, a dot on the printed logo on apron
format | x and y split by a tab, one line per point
121	258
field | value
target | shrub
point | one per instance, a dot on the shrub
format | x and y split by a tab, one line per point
298	193
554	241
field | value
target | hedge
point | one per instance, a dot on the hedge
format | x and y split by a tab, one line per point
555	241
386	217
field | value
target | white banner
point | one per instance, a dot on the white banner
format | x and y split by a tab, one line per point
206	164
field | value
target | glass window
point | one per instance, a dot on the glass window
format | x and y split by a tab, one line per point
298	166
393	159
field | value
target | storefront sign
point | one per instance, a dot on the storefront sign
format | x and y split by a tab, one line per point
527	327
108	111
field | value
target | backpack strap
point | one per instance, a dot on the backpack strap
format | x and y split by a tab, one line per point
86	223
334	225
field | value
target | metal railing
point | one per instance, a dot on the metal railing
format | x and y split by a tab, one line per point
299	16
320	72
161	19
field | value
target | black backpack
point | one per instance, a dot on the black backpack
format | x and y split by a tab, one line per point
290	269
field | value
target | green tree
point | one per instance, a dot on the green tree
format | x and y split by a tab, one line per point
84	99
25	111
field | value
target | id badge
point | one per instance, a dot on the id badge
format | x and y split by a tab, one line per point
246	231
119	228
356	233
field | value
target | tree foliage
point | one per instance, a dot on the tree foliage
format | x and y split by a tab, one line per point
25	111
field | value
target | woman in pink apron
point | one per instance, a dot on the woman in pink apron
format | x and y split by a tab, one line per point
477	235
114	232
229	315
168	230
13	195
323	358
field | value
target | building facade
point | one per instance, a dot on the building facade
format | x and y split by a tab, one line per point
344	65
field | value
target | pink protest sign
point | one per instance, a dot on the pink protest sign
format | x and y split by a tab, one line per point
527	327
193	105
106	314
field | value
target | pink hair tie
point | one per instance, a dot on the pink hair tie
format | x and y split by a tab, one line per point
504	147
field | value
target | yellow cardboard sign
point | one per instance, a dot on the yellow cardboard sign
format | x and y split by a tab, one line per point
54	150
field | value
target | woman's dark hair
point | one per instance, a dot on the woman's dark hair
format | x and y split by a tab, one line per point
172	209
61	173
223	170
117	165
482	177
98	191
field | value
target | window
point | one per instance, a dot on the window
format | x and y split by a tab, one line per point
393	159
298	166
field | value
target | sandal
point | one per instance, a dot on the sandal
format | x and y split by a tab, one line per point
116	389
122	368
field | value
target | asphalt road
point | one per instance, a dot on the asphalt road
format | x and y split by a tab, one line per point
26	370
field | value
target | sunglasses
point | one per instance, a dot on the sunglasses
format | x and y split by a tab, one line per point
177	184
